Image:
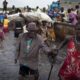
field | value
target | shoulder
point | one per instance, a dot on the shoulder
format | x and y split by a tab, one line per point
22	35
40	38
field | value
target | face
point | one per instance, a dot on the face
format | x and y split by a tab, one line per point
31	34
56	10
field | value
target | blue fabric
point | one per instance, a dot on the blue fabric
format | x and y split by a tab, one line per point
55	15
28	45
51	9
55	5
52	14
1	18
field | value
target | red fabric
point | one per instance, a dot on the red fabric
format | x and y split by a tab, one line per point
71	44
5	30
70	69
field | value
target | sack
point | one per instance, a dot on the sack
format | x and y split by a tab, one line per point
70	70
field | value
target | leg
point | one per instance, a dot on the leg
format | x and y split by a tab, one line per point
0	42
23	71
35	74
21	77
36	77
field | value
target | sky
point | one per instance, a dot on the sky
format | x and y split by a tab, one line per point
31	3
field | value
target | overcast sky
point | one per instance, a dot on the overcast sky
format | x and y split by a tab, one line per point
31	3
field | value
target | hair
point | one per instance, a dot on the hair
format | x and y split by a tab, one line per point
44	23
77	6
62	9
69	10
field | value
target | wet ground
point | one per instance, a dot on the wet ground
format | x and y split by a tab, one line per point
9	70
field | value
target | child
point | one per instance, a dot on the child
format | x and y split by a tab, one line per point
6	24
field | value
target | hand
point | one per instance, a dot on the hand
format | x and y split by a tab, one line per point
51	56
15	61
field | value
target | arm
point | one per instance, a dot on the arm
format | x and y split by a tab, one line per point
48	50
43	45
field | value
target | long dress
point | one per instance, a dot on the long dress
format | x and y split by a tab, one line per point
5	24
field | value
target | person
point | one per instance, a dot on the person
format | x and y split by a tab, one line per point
17	10
28	47
50	32
44	9
44	30
70	69
77	9
13	8
72	17
6	24
5	3
1	17
1	34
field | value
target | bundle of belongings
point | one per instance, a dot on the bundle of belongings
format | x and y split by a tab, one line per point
70	69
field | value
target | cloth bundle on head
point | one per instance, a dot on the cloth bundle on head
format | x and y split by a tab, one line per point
32	27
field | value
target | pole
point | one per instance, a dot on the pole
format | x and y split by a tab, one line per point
50	72
52	60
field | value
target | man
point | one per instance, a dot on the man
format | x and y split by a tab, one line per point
5	5
28	48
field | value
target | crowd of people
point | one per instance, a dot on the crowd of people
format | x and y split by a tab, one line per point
30	43
58	13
